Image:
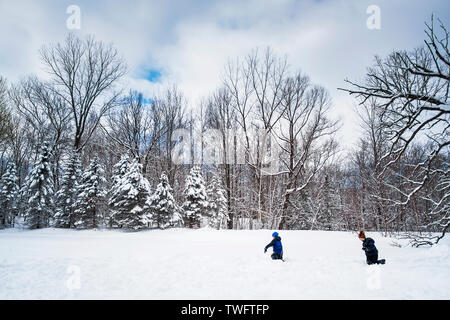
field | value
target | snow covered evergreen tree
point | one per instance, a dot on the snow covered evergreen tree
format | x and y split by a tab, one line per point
130	199
119	171
121	168
67	194
218	207
9	192
164	209
196	199
38	192
90	203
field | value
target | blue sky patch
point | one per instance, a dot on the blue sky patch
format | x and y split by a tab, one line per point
152	75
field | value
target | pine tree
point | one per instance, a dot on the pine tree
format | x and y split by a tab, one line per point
38	192
196	199
67	195
119	170
218	207
165	211
9	192
130	199
90	203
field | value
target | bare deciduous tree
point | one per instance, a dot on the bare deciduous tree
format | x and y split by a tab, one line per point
5	112
412	93
84	74
135	127
306	135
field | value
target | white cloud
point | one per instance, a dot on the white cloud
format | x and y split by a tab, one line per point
190	41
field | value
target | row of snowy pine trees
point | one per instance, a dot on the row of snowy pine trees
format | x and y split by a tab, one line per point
84	201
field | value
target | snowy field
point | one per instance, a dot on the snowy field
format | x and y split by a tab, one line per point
208	264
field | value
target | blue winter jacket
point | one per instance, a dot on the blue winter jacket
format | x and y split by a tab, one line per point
277	246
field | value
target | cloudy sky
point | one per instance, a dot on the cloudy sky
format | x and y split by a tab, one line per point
187	43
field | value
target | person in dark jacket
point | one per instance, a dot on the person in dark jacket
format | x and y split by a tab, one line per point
370	249
277	247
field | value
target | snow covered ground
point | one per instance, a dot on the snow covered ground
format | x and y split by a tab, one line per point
208	264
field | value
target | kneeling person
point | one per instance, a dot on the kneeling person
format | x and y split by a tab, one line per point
277	247
370	249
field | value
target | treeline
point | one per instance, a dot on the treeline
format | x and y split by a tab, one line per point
85	201
259	152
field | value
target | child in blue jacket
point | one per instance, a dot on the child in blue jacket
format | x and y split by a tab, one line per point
277	247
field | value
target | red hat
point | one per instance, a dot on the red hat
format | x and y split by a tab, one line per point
361	235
